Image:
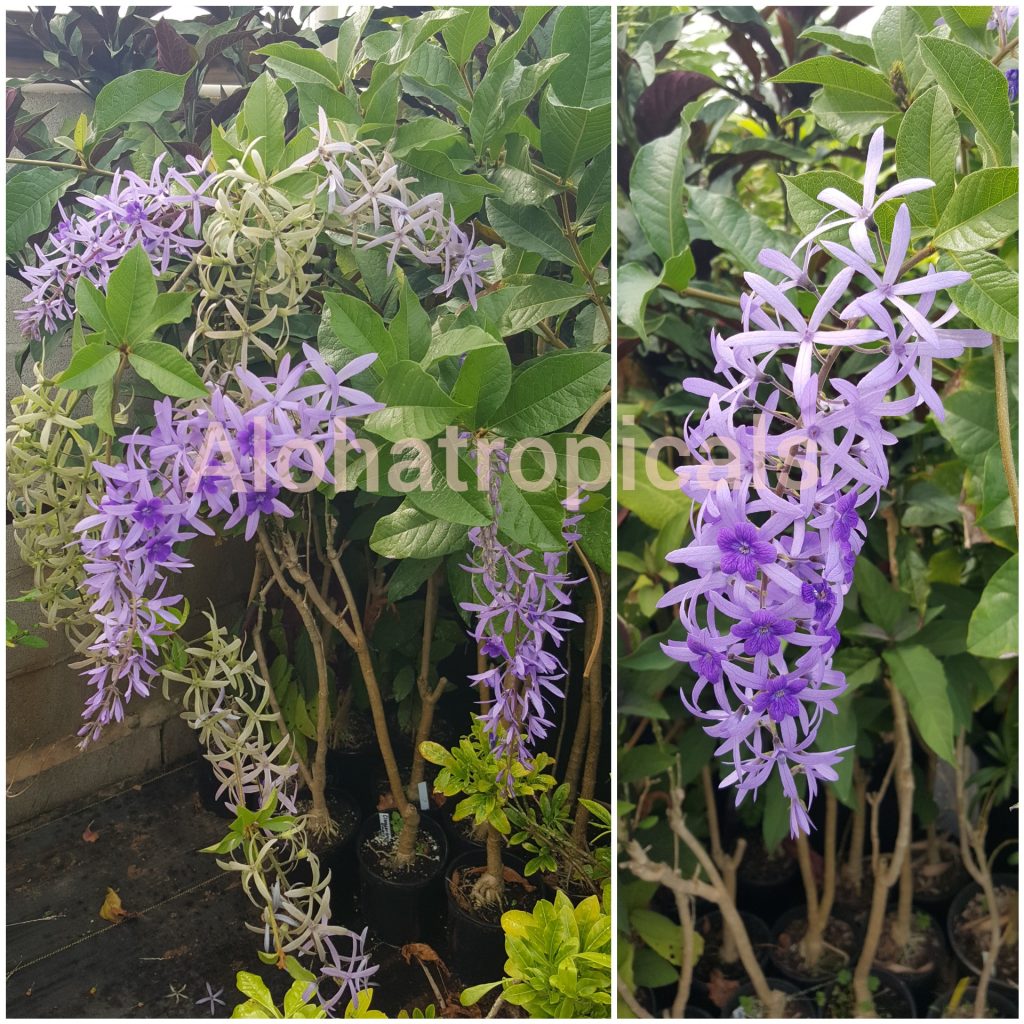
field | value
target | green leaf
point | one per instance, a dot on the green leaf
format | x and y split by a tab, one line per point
131	298
531	228
634	286
502	96
585	33
465	32
920	677
435	172
894	38
336	105
469	506
657	504
570	136
802	191
990	297
31	197
264	110
457	342
91	365
416	407
531	518
409	576
301	64
882	603
138	96
665	937
360	330
977	87
410	328
510	46
851	114
840	74
483	382
858	47
166	369
970	423
540	298
552	392
927	147
656	188
982	213
410	533
734	230
993	629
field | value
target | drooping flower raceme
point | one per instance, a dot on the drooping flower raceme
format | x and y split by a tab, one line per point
520	606
163	213
220	459
777	527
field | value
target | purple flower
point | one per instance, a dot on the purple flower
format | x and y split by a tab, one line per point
761	632
779	698
168	489
743	551
777	527
860	216
1012	79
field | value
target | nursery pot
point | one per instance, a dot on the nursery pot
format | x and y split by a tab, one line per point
400	907
709	927
839	932
943	888
799	1006
771	883
923	981
970	957
893	999
477	946
336	853
997	1005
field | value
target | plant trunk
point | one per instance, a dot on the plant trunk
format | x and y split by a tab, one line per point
574	766
887	872
490	886
858	832
905	904
588	785
812	944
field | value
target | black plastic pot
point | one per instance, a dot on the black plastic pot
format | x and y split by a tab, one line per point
709	927
922	984
336	854
691	1012
477	947
937	903
804	1006
771	884
781	966
898	998
404	907
956	908
998	1005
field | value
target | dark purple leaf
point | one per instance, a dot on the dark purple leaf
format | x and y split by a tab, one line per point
173	53
660	104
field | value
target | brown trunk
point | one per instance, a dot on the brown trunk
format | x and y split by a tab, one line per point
595	706
887	872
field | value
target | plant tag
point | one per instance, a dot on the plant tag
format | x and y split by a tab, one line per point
385	824
424	800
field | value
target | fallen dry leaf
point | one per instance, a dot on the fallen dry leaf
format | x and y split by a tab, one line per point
88	835
421	951
513	876
112	910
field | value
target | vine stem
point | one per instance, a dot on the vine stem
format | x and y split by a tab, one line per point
1003	425
60	165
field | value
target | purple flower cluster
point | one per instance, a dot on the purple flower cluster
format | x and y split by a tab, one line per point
777	529
216	459
364	185
520	606
157	214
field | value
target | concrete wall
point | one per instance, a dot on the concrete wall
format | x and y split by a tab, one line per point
45	769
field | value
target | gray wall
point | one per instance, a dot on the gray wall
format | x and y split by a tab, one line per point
45	769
